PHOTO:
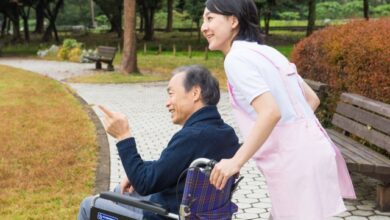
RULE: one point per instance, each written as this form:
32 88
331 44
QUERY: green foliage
353 9
70 50
69 43
102 20
195 9
289 15
350 9
381 10
328 10
75 12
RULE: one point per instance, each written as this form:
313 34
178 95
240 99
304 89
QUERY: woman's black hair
246 13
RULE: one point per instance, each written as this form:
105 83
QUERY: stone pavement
144 104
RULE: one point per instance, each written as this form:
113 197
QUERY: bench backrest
365 118
321 89
106 52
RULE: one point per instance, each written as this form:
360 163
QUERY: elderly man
193 94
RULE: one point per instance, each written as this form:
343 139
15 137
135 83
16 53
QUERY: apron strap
286 70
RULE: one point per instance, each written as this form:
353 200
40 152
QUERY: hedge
354 57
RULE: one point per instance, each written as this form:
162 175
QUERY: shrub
354 57
74 54
70 50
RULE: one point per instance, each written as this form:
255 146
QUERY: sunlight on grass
47 151
159 67
115 77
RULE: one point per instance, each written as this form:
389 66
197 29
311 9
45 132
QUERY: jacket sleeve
154 176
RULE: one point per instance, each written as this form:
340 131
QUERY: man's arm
150 176
155 176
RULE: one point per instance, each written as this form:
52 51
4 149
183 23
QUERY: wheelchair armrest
131 201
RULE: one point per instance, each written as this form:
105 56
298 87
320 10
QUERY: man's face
180 104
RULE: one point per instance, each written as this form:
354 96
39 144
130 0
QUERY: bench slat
373 156
366 103
355 128
360 164
106 53
318 87
355 150
315 85
375 121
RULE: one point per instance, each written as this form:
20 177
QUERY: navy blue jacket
204 134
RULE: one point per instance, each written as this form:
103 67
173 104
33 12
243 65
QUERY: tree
195 10
365 9
311 18
10 11
260 4
24 7
51 9
113 11
3 24
149 8
129 59
169 16
267 13
39 17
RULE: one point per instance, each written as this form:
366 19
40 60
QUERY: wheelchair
216 204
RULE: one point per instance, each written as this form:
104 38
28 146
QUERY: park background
344 44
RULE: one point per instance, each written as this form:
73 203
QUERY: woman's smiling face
219 30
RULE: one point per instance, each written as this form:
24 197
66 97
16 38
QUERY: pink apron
305 172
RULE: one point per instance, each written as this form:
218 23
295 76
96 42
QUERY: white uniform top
250 74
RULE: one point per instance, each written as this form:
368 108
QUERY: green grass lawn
159 67
153 66
47 151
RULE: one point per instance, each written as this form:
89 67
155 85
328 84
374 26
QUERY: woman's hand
223 171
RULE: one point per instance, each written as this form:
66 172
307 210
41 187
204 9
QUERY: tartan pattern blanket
202 201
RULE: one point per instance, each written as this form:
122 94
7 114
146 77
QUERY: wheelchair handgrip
128 200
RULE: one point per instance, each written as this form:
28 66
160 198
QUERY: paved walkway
144 104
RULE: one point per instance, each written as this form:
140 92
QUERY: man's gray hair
197 75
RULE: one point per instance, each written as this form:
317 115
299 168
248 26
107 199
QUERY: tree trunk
141 23
365 9
148 19
170 16
129 57
39 14
113 10
116 26
116 22
259 14
311 18
52 16
267 18
25 24
4 25
93 21
16 30
198 28
14 16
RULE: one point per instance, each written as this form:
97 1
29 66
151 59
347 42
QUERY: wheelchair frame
205 165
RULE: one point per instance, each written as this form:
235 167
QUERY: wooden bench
104 55
320 88
368 120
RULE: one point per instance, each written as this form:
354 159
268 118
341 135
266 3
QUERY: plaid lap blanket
202 201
